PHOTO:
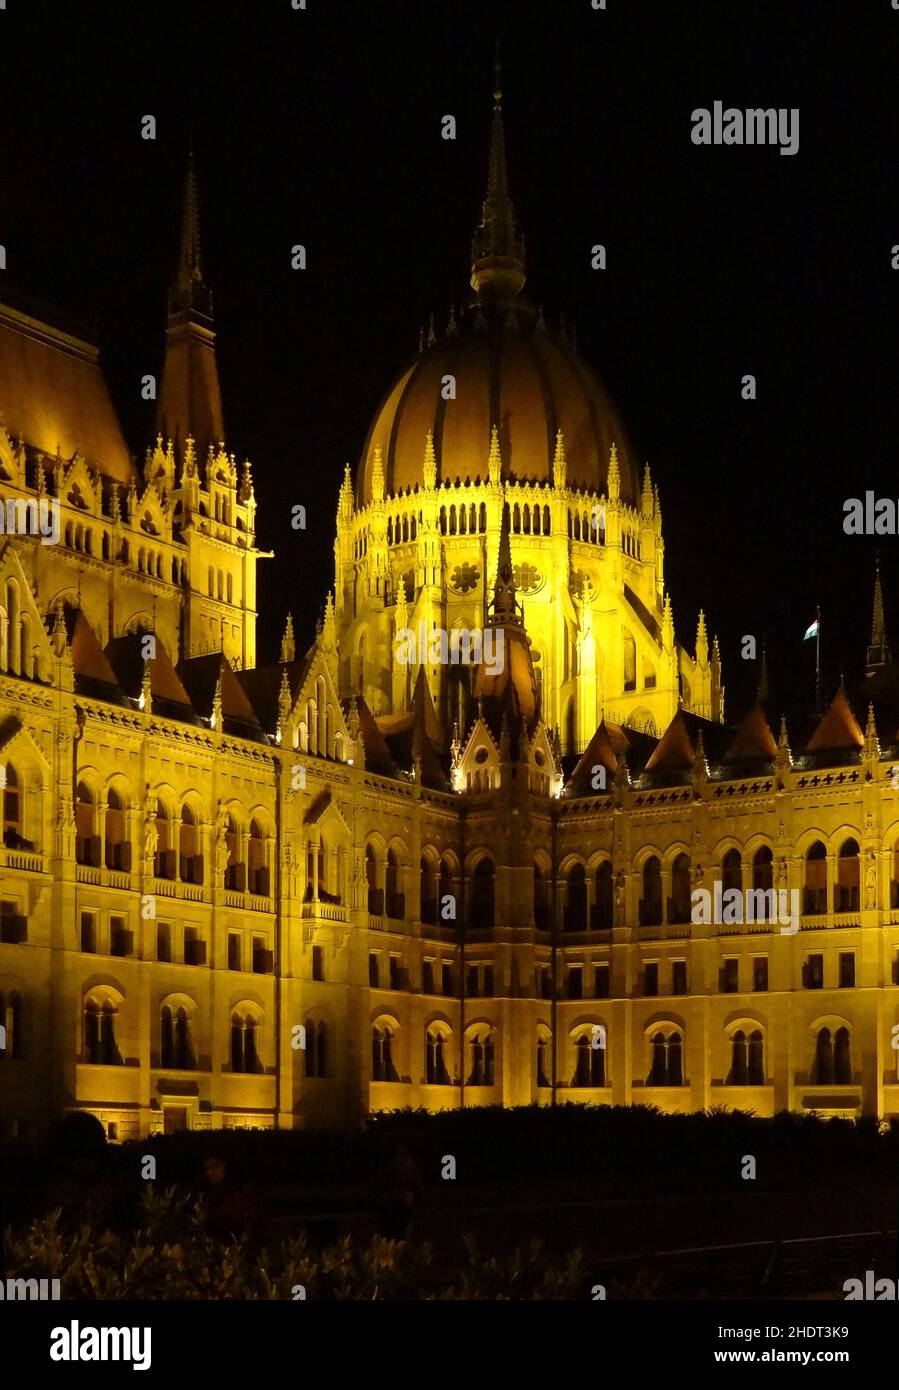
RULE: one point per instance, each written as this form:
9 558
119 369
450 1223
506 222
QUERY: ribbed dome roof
511 372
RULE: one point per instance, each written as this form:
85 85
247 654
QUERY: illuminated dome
508 370
511 371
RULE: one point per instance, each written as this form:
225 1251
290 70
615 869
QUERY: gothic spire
190 400
878 650
497 251
505 605
189 294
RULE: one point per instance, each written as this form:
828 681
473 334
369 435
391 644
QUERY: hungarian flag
811 630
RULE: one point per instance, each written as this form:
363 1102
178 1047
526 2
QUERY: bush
169 1256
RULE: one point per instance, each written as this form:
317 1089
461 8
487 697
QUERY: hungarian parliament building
244 894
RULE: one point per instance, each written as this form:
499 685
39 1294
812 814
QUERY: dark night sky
323 127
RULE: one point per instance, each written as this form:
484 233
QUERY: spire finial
189 293
878 650
497 252
761 693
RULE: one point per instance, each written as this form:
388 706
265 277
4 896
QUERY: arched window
756 1062
590 1063
765 906
396 900
846 886
316 1056
814 897
87 843
679 904
436 1073
382 1067
651 902
666 1065
842 1066
167 1038
190 862
576 906
12 809
428 891
603 908
738 1060
542 907
244 1050
543 1078
822 1071
447 893
375 893
480 1048
629 650
100 1045
164 863
235 870
117 852
322 1048
732 871
230 591
257 869
482 896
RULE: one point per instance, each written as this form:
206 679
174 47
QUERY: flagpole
818 662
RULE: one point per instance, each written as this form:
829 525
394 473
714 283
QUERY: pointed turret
878 650
674 754
288 644
345 503
839 731
754 742
190 399
646 499
702 641
497 251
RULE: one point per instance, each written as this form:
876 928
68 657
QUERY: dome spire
497 251
505 605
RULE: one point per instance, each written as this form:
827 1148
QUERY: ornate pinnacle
430 463
647 498
288 645
559 468
614 475
494 461
377 476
